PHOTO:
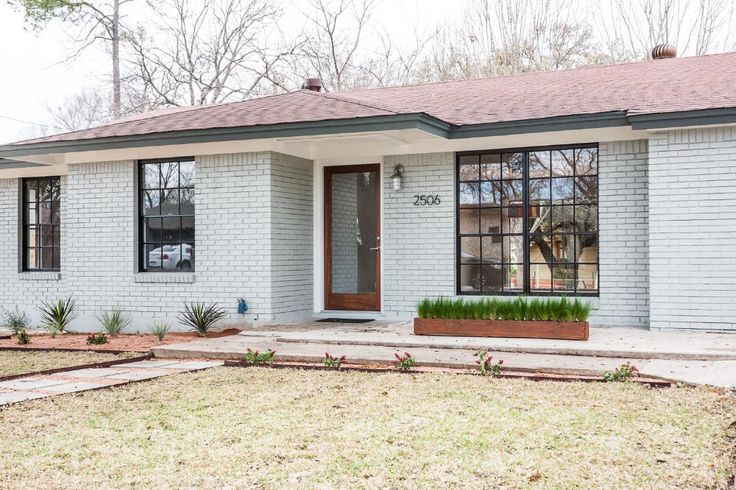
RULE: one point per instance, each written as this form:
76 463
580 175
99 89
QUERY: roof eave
543 125
683 119
420 121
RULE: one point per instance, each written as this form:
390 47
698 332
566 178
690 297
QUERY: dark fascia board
420 121
662 120
542 125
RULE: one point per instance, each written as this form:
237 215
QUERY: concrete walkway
694 357
40 386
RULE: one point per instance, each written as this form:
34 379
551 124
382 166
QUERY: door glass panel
354 232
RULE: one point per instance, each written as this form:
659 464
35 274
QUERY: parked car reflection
172 257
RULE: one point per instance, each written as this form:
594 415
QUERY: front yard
18 362
273 428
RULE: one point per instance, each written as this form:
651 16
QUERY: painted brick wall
692 223
623 236
418 242
292 285
247 217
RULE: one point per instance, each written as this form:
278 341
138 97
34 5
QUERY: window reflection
545 232
41 210
167 216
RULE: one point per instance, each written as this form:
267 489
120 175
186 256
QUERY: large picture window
166 215
41 224
528 221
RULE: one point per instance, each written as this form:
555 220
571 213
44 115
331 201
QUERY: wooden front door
352 238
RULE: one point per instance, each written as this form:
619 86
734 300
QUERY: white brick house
614 184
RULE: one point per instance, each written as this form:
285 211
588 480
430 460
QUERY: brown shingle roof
668 85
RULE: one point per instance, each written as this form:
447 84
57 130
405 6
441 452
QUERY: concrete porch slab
625 343
711 360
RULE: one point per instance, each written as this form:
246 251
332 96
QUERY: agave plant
201 317
160 330
57 316
114 321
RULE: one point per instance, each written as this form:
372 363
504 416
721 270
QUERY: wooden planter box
503 328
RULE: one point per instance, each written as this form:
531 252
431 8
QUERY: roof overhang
419 121
683 119
425 123
9 164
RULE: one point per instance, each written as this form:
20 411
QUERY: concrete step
714 372
684 351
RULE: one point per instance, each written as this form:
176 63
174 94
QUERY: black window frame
26 225
141 191
526 290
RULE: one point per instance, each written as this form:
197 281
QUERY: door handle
378 247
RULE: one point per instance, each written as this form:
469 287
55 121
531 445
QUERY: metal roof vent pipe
313 84
662 51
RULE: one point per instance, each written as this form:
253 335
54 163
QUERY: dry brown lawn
275 428
18 362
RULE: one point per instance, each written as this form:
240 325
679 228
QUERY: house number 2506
426 200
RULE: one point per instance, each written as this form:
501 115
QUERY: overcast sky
35 76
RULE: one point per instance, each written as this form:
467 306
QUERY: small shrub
332 361
622 373
201 317
15 320
485 363
57 316
160 330
97 339
259 358
114 322
23 337
404 362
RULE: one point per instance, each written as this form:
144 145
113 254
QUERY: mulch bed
510 373
117 344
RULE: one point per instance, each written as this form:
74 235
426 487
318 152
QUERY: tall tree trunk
116 58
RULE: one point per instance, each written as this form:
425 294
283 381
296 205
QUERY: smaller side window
166 220
41 212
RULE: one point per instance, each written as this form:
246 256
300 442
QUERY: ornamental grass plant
550 309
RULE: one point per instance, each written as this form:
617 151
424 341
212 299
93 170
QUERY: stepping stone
137 375
29 383
193 365
72 387
18 396
148 364
90 373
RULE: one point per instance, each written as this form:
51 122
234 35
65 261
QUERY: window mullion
525 221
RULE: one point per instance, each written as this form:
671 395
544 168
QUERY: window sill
164 278
39 276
